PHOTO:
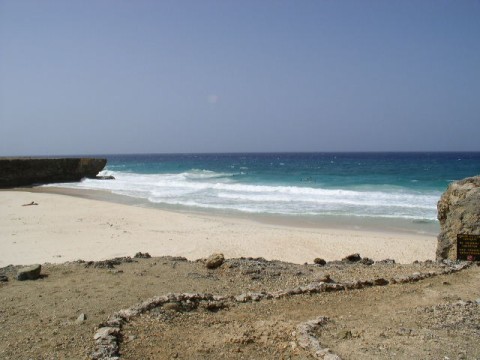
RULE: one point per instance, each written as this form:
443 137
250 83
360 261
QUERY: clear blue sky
87 77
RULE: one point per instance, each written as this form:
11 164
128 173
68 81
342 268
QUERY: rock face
458 213
28 171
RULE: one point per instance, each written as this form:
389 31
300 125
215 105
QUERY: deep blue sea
369 185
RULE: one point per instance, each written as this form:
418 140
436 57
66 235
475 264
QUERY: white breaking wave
211 190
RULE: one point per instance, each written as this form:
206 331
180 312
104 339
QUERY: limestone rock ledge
28 171
458 213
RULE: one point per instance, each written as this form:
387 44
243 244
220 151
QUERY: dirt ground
435 318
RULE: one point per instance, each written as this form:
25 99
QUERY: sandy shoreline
65 228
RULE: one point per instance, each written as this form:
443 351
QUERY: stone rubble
307 340
108 334
106 264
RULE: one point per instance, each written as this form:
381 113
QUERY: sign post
468 247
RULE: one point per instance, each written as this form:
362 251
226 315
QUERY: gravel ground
431 319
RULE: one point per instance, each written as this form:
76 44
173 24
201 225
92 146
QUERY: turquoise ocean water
361 185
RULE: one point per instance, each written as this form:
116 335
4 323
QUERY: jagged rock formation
458 213
28 171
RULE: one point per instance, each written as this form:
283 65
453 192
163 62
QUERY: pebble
81 318
380 282
345 334
172 306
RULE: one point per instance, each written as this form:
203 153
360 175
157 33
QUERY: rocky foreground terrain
171 308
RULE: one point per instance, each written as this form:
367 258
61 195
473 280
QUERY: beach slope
65 228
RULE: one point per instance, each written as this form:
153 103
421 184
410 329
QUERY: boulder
29 273
319 261
214 261
458 213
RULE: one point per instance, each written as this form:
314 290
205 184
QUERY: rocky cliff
28 171
458 213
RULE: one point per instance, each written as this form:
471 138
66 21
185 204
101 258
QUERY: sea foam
216 190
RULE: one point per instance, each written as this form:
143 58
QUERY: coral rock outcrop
29 171
458 213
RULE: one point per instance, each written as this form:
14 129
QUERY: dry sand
65 228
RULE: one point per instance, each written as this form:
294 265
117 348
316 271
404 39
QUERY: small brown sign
468 247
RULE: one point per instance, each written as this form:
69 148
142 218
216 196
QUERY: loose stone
214 261
29 273
81 318
352 258
319 261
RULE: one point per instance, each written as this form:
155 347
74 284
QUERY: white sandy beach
65 228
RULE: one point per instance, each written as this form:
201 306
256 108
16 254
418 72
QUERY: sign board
468 247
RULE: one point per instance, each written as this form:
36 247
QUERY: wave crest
209 189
